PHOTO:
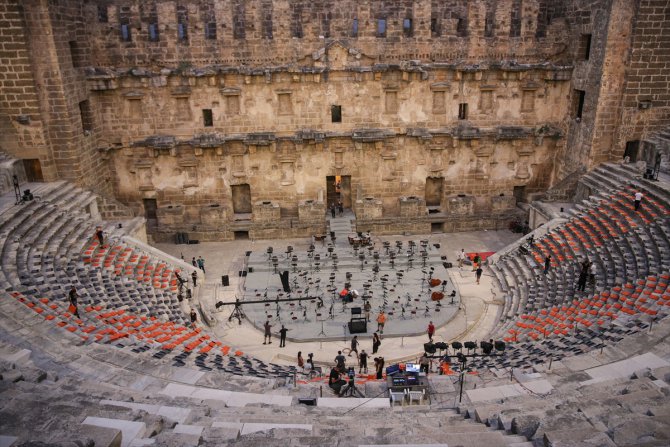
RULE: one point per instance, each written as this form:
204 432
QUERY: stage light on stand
499 345
470 345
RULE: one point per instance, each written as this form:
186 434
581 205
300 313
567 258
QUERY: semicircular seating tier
546 315
127 295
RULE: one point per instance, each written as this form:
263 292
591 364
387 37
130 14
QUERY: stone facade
198 113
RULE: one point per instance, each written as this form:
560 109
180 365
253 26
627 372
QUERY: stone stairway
342 227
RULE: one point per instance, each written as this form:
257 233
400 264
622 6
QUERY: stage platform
394 276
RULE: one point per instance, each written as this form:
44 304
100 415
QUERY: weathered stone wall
44 94
646 98
22 131
468 105
260 33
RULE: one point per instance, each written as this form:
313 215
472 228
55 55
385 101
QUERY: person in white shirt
461 258
638 200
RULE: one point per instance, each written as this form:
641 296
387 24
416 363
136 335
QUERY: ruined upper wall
646 97
260 33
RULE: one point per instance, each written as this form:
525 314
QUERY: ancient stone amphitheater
242 121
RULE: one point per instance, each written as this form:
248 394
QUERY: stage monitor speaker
358 326
356 311
251 269
225 280
309 401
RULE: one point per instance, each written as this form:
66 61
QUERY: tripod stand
237 313
350 390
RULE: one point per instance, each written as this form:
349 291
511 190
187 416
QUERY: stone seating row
625 245
112 278
80 410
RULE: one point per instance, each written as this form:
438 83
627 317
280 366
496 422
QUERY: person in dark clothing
72 297
194 262
354 346
547 264
267 335
332 210
376 343
282 336
194 317
339 361
363 362
335 380
340 208
380 367
581 282
194 275
100 235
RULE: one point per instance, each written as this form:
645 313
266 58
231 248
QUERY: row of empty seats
127 297
547 315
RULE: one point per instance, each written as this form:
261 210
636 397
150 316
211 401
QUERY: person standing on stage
381 320
431 331
376 343
354 346
268 335
363 362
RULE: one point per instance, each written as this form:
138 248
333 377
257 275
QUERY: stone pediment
337 56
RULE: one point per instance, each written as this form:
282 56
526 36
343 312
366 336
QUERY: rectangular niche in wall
241 199
434 191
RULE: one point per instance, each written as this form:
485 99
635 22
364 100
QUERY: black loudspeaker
358 326
309 401
251 269
429 348
244 273
356 311
225 280
284 281
248 254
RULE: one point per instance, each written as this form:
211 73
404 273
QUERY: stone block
19 357
461 205
172 214
502 203
412 206
577 438
129 429
12 376
186 429
525 425
311 211
266 211
369 208
101 436
213 215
